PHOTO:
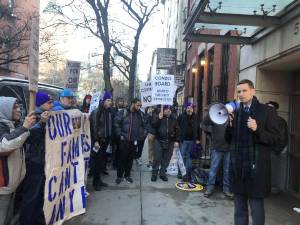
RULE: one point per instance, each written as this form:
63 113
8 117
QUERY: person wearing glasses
130 126
13 135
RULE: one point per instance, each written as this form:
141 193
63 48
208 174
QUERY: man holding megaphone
252 131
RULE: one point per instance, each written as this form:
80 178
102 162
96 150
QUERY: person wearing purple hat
167 136
32 197
101 134
189 136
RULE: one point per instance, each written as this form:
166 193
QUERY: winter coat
101 121
130 126
257 185
12 157
216 132
36 146
189 125
166 129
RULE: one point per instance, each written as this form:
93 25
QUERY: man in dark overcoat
252 131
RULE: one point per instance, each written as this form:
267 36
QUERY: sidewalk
160 203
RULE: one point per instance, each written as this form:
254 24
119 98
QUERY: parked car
18 88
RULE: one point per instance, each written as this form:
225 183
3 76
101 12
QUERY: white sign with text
146 93
68 146
163 89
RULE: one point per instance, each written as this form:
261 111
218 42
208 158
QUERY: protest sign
68 149
95 102
166 58
72 73
163 89
146 93
33 63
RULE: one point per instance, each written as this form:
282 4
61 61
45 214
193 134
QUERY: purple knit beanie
106 95
167 107
42 98
188 104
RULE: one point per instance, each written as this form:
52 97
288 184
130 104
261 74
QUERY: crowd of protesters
120 131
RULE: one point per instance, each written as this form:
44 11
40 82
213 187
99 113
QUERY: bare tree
100 24
140 12
13 34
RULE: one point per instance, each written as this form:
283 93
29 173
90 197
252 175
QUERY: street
160 203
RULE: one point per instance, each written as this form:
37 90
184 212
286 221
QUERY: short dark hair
135 100
246 81
274 104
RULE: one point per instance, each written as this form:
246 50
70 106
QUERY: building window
210 76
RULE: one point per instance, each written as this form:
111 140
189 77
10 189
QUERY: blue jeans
185 150
216 159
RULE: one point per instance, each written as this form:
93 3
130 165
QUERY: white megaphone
218 112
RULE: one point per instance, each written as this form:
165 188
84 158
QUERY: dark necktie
246 109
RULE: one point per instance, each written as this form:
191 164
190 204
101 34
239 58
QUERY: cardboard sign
146 93
72 74
163 89
68 147
33 64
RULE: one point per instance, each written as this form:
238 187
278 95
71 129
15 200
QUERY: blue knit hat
106 95
42 98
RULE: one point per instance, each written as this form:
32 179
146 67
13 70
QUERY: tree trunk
133 64
106 69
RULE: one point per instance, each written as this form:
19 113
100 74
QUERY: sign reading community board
68 149
163 89
72 73
146 93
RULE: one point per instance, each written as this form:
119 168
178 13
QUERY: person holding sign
167 137
12 157
33 185
101 133
130 126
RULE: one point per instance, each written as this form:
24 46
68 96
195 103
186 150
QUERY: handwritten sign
72 73
146 93
163 89
68 147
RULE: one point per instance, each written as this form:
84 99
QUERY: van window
16 92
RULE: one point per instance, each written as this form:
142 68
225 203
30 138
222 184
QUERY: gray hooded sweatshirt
12 157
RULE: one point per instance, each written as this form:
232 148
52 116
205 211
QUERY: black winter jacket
166 128
101 121
130 126
189 126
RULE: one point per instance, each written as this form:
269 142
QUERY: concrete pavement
160 203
